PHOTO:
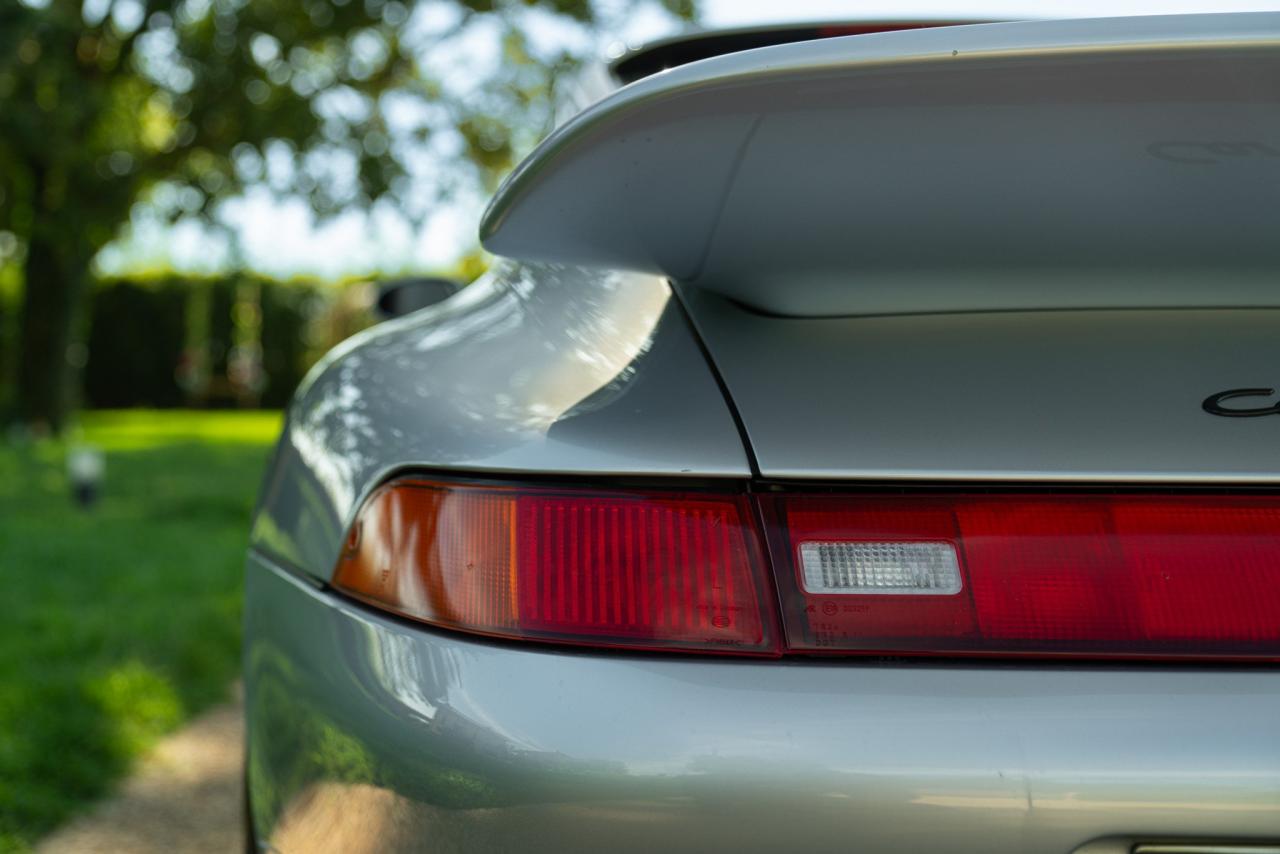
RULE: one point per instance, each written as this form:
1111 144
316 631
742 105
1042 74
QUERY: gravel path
183 799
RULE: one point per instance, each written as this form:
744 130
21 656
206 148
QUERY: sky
282 238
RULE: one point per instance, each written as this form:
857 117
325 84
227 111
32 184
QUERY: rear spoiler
1106 162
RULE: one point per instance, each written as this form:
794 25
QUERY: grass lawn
118 624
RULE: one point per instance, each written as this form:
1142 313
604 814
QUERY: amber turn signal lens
437 554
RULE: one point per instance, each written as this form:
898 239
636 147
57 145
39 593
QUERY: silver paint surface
368 729
540 368
1079 396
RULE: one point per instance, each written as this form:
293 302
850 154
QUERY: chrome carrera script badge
1213 403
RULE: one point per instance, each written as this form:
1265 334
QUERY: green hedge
170 340
135 341
178 341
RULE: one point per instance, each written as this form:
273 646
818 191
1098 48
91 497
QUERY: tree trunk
48 364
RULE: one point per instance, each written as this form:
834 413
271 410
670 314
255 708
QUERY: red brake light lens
1139 576
1086 575
662 571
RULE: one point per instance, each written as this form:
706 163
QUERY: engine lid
1115 396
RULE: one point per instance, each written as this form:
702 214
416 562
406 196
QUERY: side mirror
402 296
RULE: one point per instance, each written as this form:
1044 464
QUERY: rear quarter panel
532 369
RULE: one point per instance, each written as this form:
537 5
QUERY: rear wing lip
786 32
563 203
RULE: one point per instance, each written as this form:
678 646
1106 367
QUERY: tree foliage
184 103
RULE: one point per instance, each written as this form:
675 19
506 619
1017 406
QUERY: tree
108 103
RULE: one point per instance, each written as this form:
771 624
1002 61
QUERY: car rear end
927 663
899 545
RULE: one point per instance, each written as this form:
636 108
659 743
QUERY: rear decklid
1089 396
1123 162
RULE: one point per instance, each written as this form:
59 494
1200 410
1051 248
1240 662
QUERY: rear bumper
370 734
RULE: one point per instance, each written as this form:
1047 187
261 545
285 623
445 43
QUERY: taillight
653 570
1095 575
947 574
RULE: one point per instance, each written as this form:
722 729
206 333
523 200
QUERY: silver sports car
866 441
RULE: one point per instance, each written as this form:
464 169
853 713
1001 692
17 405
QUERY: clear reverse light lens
880 567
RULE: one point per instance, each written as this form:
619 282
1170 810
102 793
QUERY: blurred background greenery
146 149
117 625
119 113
